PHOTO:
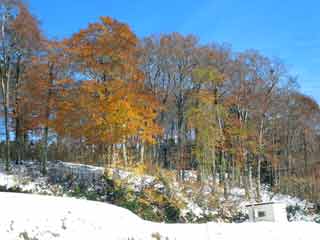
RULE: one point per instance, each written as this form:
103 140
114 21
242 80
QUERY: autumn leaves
107 97
88 88
105 100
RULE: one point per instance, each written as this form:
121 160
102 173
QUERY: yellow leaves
109 105
108 112
107 20
107 49
140 169
208 75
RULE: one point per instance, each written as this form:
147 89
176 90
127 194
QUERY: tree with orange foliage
45 80
20 37
108 103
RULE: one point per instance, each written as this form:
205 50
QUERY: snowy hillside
35 217
150 197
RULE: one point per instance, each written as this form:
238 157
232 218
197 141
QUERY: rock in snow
33 217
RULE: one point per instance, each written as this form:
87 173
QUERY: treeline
105 97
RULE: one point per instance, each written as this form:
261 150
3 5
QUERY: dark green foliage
143 210
205 218
317 208
190 217
292 211
25 236
172 214
240 217
149 203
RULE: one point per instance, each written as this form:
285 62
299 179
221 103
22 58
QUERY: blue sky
282 28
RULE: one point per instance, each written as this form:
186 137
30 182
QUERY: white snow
33 217
24 216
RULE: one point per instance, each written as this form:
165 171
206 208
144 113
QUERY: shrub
171 214
292 210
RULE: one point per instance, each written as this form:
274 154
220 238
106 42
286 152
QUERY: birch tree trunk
258 179
124 153
142 153
114 152
17 115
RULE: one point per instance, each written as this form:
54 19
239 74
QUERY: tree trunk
124 153
233 170
46 127
17 115
226 179
142 152
6 117
180 122
223 175
305 152
45 155
248 176
114 152
213 167
6 123
258 180
5 80
246 183
18 141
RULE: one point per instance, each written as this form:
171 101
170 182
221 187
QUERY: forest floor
154 198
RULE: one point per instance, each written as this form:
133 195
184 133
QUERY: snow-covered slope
195 204
24 216
44 217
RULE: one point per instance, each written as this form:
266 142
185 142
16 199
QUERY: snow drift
33 217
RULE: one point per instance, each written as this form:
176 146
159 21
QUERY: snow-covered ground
33 217
27 177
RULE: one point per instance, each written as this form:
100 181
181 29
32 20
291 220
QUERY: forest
106 97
